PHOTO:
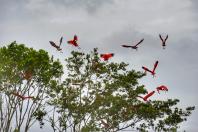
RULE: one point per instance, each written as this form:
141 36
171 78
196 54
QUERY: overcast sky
107 24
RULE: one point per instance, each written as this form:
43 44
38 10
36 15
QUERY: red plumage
154 68
147 96
74 41
106 56
162 88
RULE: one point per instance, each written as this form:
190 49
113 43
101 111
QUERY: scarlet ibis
154 68
133 46
74 41
147 96
55 45
162 88
106 56
22 97
163 40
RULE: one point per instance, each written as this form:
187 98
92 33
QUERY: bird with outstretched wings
145 98
163 40
162 88
74 41
133 46
106 56
58 47
154 68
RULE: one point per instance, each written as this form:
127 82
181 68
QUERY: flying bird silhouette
74 41
133 46
55 45
162 88
147 96
22 97
154 68
163 40
106 56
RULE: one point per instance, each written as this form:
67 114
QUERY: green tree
102 96
24 72
95 95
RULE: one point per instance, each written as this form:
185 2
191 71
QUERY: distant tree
103 96
25 76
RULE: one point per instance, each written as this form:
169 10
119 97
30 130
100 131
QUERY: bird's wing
126 46
139 42
149 95
146 69
53 44
75 37
164 87
61 40
155 66
161 37
166 38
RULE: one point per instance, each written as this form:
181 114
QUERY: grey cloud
107 24
91 6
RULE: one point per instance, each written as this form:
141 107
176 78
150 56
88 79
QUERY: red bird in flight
55 45
163 40
153 71
162 88
74 41
133 46
147 96
106 56
23 97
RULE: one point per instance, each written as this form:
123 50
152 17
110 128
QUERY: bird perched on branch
56 45
133 46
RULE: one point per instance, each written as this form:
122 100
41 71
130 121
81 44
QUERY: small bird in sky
74 41
106 56
163 40
133 46
55 45
154 68
22 97
162 88
147 96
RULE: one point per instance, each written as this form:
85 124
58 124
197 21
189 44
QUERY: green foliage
95 95
100 96
26 72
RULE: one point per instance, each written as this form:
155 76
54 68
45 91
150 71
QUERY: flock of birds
106 56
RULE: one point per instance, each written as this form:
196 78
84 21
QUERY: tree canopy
95 95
